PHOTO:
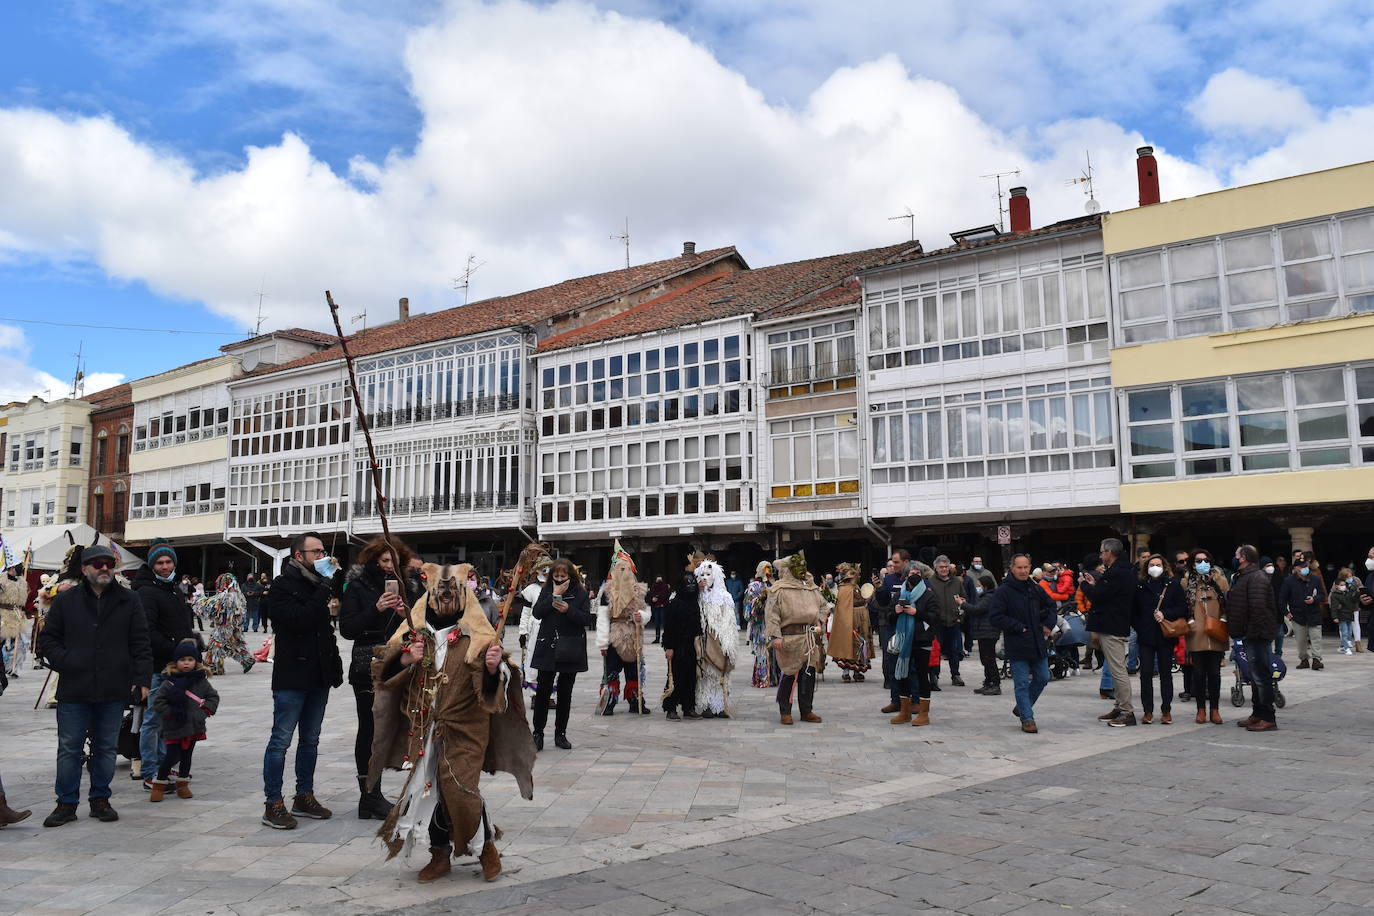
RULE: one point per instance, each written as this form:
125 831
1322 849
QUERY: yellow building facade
1243 359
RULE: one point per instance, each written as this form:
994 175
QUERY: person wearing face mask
1113 602
1366 599
1205 591
307 666
1300 601
169 622
1345 602
1158 598
563 610
981 630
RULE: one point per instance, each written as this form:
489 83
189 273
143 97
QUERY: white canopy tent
49 544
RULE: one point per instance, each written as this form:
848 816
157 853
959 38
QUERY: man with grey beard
96 637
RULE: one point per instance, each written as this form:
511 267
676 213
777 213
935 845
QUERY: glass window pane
1053 314
916 436
1305 242
1144 332
1249 251
1255 318
955 428
1359 271
875 327
1102 417
849 452
1059 423
892 325
1157 439
992 323
1039 439
1254 287
1357 233
1264 429
1149 405
801 456
1201 400
1323 456
1205 434
930 319
1273 461
825 456
1073 295
997 438
1030 302
949 309
895 438
1016 427
1011 319
934 444
973 430
1259 392
1364 382
1097 293
911 310
1141 270
1321 386
1196 296
968 306
1192 261
1207 466
1308 279
1143 303
879 444
782 458
1082 420
1146 471
1316 424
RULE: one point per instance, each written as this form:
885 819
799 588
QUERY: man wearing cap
96 638
169 622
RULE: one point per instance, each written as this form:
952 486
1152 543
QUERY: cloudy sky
164 161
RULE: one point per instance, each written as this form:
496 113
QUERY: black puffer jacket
98 643
306 655
359 619
169 616
1250 612
1113 599
555 626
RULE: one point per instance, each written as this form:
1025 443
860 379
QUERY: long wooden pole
374 469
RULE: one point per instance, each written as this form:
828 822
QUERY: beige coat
850 617
792 602
1204 600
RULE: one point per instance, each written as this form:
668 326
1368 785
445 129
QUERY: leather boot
891 707
8 815
904 716
372 805
491 861
922 717
184 788
440 864
785 715
159 789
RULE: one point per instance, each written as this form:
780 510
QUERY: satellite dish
1092 206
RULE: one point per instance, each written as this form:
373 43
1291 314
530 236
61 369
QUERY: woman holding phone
560 650
372 609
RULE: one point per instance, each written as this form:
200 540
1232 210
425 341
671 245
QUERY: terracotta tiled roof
744 292
1076 224
110 398
510 311
305 334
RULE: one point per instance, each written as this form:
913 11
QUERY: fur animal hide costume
796 614
620 631
850 637
718 645
444 720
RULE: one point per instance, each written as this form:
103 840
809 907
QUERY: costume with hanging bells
718 645
620 635
795 614
444 720
226 610
851 638
766 672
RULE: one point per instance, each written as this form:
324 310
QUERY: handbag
570 650
1172 629
1215 628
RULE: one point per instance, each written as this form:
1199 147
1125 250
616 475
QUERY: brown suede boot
184 788
159 789
785 716
890 708
904 716
923 716
810 717
8 815
491 861
440 864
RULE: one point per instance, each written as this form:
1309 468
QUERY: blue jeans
1029 678
254 618
150 746
293 710
1347 629
75 722
951 647
1261 679
1278 640
1133 652
1106 683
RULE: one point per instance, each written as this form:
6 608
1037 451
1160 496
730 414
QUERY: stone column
1301 536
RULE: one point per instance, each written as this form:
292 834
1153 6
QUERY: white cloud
1241 102
543 128
20 381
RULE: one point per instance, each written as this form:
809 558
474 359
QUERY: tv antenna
79 379
466 282
1086 177
361 316
1001 208
257 328
625 237
911 221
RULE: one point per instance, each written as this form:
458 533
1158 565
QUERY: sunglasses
101 564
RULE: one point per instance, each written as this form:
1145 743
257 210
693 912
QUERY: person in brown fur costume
850 636
448 706
795 620
620 634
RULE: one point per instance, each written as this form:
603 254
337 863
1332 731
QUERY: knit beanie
187 647
160 547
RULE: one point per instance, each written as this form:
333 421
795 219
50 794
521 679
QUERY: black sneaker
62 814
538 741
276 816
673 715
1125 721
957 681
561 742
690 714
307 806
101 810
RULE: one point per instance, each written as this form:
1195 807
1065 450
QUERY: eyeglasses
320 551
101 564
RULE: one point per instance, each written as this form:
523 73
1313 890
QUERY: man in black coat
1300 600
681 627
96 637
1113 601
306 666
1251 618
1025 614
169 622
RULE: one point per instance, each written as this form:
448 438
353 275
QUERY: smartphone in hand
392 587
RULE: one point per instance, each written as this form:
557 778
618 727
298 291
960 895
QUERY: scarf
906 628
177 701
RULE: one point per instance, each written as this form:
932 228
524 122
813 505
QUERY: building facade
46 466
112 428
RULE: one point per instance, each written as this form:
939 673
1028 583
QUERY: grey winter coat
196 716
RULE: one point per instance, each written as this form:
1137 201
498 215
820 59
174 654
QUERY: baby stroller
1277 668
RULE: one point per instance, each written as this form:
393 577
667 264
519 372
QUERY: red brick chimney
1019 205
1147 174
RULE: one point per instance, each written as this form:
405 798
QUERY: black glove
523 640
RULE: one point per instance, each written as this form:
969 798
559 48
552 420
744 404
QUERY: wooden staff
376 471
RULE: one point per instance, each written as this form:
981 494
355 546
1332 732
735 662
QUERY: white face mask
1156 571
1369 564
1269 569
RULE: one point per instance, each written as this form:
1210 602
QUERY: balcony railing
427 505
444 410
816 372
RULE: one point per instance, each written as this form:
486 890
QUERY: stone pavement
852 815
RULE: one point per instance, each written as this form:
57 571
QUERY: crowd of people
439 697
